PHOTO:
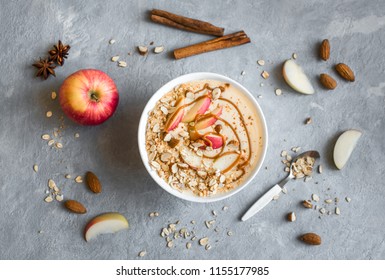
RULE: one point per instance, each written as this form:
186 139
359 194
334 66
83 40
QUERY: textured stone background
277 29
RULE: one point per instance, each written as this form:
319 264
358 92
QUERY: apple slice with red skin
199 108
213 140
208 119
105 223
176 117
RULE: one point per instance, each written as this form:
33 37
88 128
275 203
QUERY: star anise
45 68
59 53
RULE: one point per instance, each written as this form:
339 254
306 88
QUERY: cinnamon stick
185 23
228 41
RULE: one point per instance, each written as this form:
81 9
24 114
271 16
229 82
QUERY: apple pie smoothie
204 137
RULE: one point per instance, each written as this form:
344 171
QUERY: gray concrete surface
33 229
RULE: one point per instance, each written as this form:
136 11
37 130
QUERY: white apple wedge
105 223
344 147
296 78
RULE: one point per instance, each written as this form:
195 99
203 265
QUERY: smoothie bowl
202 137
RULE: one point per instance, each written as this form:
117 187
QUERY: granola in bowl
205 137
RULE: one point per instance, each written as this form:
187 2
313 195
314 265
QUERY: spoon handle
262 202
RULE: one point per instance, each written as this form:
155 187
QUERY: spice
184 23
45 68
59 53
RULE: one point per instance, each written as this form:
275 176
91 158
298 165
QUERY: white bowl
142 135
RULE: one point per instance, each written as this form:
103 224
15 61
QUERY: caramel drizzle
241 166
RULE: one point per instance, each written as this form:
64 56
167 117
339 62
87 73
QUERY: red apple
208 119
213 140
88 97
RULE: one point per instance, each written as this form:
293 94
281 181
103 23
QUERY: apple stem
94 97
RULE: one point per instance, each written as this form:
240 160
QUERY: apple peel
105 223
296 78
212 140
344 147
175 118
208 119
199 108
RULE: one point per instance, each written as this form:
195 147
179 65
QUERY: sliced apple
191 158
213 140
176 117
105 223
199 108
344 147
296 78
226 162
208 119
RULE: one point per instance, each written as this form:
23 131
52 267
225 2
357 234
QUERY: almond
327 81
324 50
345 72
291 217
311 238
307 204
75 206
93 182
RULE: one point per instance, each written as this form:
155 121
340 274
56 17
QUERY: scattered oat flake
320 169
53 95
35 168
48 114
67 176
278 92
322 210
315 197
265 75
294 55
59 197
188 245
51 184
142 253
77 135
192 222
283 154
59 145
348 199
243 73
208 247
170 244
328 201
308 121
122 64
229 233
203 241
259 96
48 199
337 211
79 179
156 214
261 84
45 137
112 41
159 49
225 208
115 58
261 62
214 212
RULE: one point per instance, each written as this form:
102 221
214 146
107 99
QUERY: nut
93 182
311 238
324 50
345 72
75 206
291 217
327 81
307 204
142 50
